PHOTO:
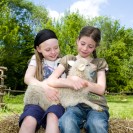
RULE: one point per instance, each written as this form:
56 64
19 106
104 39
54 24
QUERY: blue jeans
78 117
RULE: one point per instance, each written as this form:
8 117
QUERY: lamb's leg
94 106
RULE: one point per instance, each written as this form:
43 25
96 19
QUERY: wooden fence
2 86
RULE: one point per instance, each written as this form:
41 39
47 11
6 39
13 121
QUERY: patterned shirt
48 66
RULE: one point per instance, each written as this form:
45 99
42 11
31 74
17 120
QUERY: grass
14 105
120 106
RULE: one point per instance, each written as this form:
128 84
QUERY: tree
18 25
68 30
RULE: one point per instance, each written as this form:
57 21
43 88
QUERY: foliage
18 24
119 56
68 30
21 20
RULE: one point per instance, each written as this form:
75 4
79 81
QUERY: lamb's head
82 68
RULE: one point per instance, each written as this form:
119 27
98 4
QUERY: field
120 106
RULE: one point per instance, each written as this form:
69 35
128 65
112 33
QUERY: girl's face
86 45
49 49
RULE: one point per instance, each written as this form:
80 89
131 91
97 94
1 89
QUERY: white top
48 66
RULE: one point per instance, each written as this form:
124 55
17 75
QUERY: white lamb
68 97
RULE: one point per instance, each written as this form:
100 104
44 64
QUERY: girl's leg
52 123
71 121
50 118
29 120
28 125
97 122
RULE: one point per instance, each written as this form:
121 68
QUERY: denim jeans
78 117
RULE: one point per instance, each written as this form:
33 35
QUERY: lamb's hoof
98 108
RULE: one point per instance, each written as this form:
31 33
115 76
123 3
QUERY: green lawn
120 106
14 105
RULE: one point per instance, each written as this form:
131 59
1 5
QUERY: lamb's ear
81 67
70 62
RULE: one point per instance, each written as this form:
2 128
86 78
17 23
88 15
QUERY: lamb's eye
87 65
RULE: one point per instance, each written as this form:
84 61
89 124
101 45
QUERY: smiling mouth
83 52
53 56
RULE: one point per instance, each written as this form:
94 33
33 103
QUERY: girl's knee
52 117
29 121
28 125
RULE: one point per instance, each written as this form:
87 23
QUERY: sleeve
102 65
32 61
64 61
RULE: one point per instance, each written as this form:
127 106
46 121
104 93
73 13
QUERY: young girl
40 67
82 115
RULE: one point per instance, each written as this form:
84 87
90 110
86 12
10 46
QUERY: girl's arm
100 86
29 78
55 81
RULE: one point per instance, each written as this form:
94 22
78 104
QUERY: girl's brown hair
92 32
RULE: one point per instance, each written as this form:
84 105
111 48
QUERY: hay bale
120 126
10 125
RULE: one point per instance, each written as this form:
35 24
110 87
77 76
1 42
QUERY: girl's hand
77 83
51 93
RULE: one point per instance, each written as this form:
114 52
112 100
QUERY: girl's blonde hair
42 36
39 68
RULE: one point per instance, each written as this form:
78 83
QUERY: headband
44 35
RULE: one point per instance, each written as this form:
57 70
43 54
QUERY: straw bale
120 125
9 124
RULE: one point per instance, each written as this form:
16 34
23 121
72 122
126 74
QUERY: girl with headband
41 65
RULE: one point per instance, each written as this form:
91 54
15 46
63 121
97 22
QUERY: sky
121 10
